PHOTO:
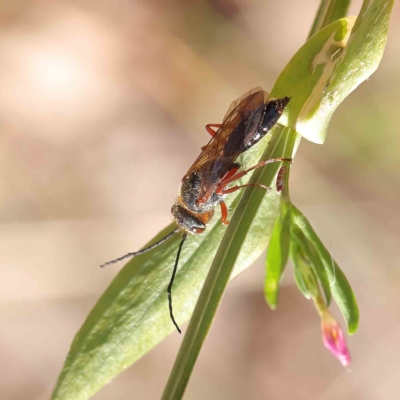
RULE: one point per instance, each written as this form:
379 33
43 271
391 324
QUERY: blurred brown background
102 110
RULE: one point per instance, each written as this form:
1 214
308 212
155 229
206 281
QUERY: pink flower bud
333 338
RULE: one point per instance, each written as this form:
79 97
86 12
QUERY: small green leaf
339 285
309 277
329 66
314 259
299 269
277 255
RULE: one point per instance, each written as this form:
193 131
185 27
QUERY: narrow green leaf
339 285
298 269
277 255
312 256
330 65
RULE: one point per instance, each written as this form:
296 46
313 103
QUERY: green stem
328 12
289 152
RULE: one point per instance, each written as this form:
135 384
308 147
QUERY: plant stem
328 12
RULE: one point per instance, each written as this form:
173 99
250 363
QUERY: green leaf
277 255
339 285
314 259
132 315
300 270
329 66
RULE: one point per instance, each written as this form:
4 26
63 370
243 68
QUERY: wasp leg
234 188
234 168
210 130
240 174
224 213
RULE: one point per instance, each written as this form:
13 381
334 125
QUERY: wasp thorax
194 196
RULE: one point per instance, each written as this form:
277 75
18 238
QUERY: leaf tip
352 325
271 294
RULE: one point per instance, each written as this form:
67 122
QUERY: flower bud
333 339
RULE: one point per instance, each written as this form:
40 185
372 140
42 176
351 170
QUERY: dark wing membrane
215 146
235 103
229 141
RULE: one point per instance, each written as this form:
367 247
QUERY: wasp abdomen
273 110
247 127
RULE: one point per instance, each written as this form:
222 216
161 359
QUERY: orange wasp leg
234 177
224 213
210 130
235 168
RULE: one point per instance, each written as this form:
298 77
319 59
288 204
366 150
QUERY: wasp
208 181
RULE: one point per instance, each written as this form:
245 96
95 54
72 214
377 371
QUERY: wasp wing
229 141
239 110
235 103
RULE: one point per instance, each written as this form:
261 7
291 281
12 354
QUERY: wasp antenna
136 253
169 290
